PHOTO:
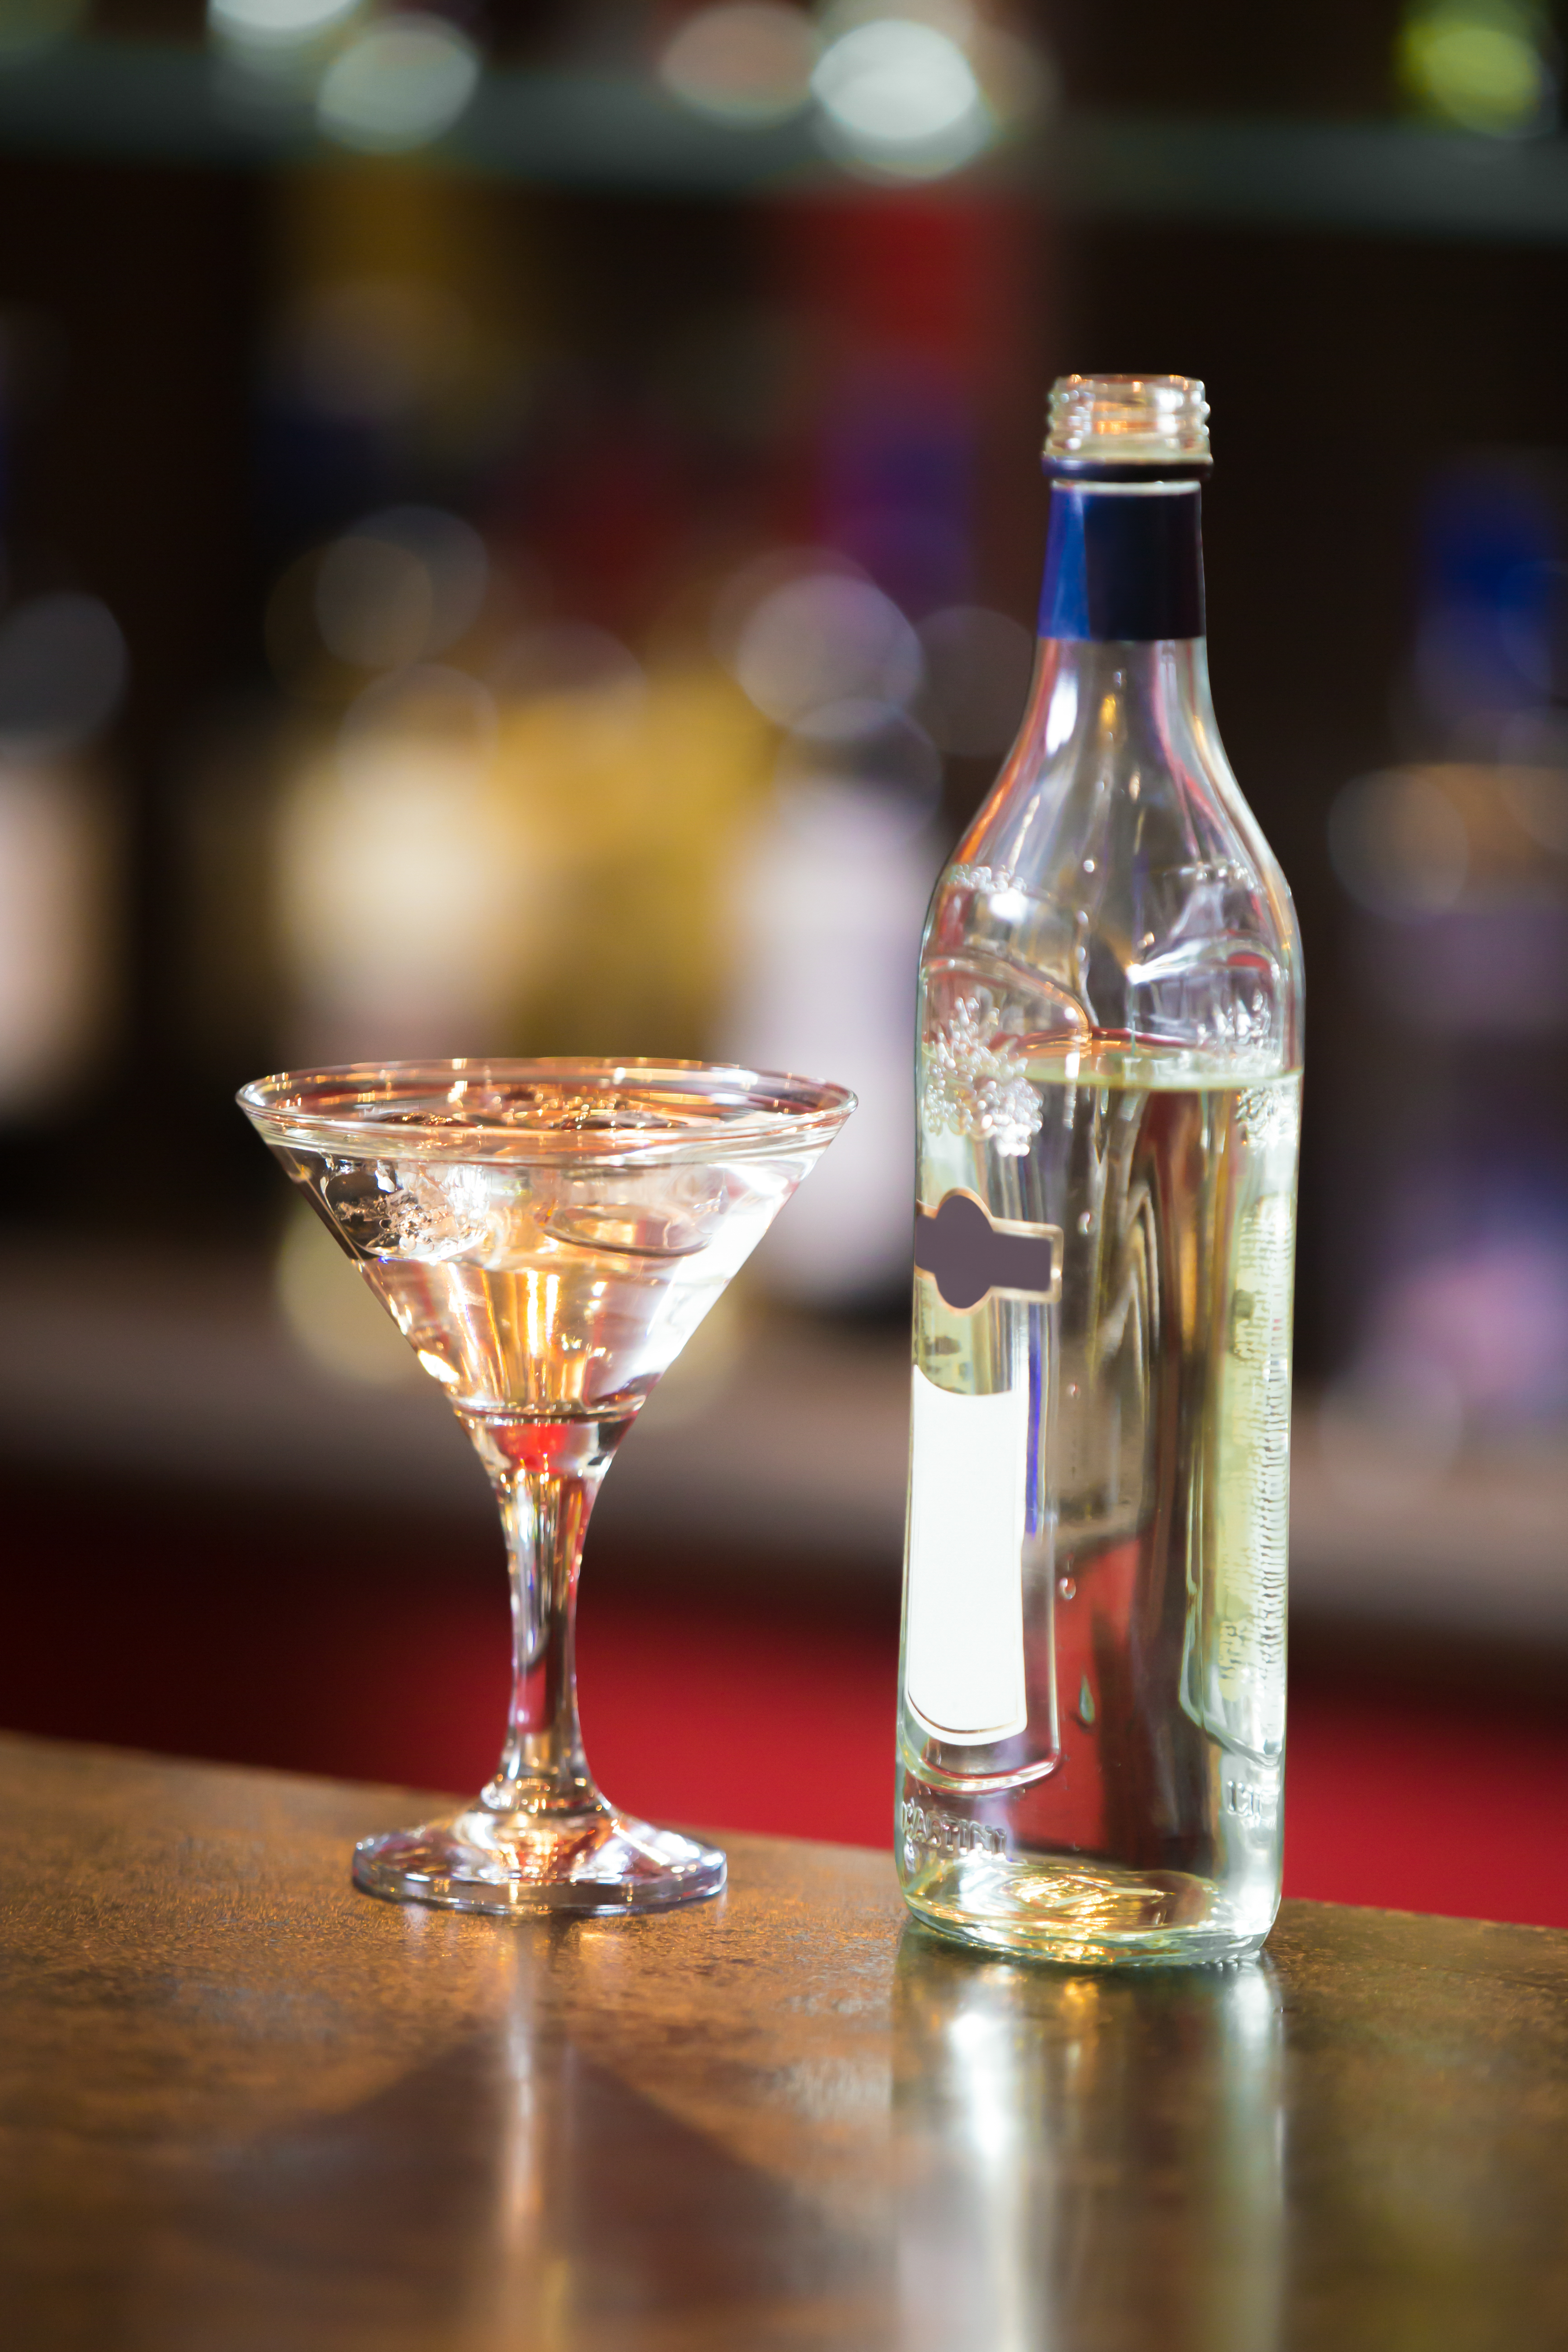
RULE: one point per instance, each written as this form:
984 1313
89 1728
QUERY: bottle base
1081 1913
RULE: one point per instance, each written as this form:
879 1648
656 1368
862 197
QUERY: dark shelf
160 103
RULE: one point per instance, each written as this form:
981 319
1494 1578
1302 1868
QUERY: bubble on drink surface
974 1083
410 1210
541 1107
593 1108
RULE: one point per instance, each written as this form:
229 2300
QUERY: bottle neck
1124 563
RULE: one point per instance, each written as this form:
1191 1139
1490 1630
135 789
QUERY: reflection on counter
1087 2160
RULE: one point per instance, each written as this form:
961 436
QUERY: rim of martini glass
350 1107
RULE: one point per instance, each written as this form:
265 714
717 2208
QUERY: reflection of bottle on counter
1092 1731
1087 2160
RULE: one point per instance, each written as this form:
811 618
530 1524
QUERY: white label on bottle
963 1635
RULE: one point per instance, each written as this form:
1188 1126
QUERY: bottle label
971 1255
964 1630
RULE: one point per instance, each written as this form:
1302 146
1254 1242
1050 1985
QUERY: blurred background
520 531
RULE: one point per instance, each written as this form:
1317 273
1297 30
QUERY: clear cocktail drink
546 1236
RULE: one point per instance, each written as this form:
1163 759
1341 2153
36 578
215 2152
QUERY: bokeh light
1399 843
827 902
63 667
374 606
277 24
58 934
828 891
978 665
826 635
404 877
1482 64
746 62
398 85
401 586
901 97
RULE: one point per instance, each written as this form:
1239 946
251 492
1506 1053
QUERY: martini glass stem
543 1765
546 1475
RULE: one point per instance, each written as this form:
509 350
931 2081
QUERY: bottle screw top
1111 425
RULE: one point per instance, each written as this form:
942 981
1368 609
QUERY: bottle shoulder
1115 882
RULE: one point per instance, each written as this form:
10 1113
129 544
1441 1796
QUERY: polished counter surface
244 2108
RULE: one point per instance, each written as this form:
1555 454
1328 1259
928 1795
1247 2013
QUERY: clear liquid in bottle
1091 1744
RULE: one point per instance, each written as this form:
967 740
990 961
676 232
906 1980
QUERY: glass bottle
1093 1679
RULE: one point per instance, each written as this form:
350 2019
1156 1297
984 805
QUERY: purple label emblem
970 1255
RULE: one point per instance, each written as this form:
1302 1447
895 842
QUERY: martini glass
546 1236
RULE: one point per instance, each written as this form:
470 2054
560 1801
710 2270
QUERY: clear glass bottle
1092 1718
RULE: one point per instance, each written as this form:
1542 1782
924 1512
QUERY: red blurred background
743 1694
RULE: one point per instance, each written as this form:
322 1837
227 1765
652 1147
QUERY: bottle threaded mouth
1127 420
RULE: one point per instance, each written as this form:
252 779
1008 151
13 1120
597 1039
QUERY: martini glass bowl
546 1236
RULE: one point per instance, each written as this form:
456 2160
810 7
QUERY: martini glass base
594 1862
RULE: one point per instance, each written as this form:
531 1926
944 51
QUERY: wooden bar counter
244 2108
